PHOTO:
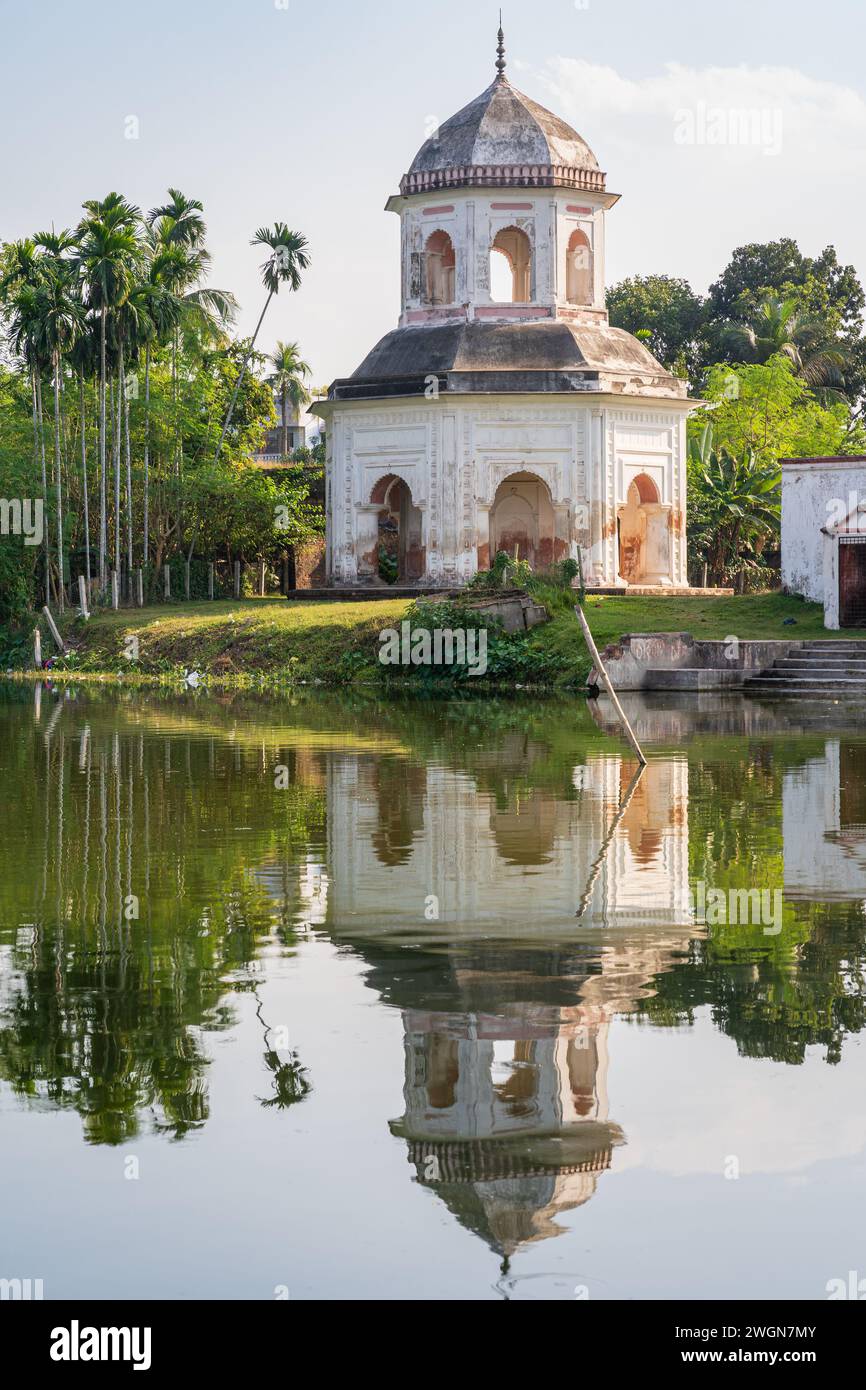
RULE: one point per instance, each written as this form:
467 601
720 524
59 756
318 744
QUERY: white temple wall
455 454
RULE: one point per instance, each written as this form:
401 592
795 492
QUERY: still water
344 999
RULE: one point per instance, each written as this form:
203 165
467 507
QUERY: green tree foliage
778 326
127 407
20 478
734 509
768 410
819 285
769 298
667 315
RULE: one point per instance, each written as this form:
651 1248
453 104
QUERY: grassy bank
336 644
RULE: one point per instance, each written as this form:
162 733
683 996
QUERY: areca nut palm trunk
103 481
41 419
146 519
128 480
81 396
117 445
37 438
58 470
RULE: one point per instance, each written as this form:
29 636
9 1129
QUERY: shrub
388 567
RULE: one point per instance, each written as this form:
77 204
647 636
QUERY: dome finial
500 60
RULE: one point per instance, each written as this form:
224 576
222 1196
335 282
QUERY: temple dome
504 138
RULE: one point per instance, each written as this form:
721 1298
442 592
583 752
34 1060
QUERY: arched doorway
522 520
644 536
400 532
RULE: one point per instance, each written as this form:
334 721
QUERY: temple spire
500 60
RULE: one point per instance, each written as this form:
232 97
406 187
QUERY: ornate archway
400 531
523 521
643 526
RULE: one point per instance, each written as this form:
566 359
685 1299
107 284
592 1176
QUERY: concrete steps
817 670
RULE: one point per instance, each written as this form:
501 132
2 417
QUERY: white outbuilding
824 535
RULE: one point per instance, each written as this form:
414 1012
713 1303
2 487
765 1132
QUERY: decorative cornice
504 176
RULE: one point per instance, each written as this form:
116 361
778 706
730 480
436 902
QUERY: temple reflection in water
518 858
512 892
506 1113
507 1119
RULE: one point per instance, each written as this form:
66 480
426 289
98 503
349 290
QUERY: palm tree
177 231
108 251
60 323
158 312
734 502
779 326
287 380
83 358
183 220
19 284
132 332
289 257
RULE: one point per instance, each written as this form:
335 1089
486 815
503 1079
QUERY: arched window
579 287
511 267
441 263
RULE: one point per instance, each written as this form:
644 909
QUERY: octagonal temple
504 412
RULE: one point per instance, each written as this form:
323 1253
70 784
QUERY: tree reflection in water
152 863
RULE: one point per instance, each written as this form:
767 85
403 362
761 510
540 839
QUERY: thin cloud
710 158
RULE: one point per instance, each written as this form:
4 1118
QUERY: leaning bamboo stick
61 645
606 682
602 854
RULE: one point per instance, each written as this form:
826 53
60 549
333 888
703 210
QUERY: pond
338 999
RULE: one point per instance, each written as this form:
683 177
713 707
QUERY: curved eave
603 394
398 202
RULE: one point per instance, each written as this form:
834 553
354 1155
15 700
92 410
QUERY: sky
310 113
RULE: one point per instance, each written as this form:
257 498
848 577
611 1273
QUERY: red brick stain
629 557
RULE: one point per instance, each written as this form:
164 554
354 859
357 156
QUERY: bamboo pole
237 578
61 645
140 586
37 649
600 857
261 578
210 581
167 583
82 597
115 592
606 682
